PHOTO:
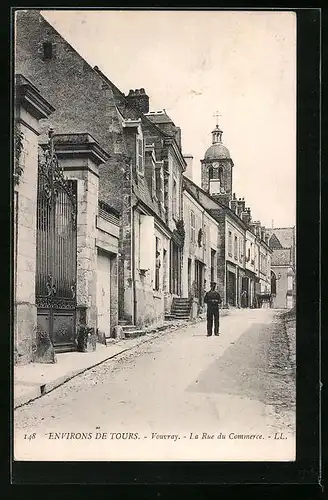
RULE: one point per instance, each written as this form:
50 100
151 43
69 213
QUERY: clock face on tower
215 164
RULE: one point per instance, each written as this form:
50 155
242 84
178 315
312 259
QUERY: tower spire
217 132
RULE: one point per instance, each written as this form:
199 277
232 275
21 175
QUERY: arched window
221 175
210 173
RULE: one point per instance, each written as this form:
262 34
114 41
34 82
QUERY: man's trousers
213 314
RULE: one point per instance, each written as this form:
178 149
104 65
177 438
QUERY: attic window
47 51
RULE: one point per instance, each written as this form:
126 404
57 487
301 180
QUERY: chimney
139 99
233 204
263 233
240 206
246 216
189 170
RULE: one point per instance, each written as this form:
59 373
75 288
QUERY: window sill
157 294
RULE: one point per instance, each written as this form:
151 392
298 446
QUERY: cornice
28 96
78 145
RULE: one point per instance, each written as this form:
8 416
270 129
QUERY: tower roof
217 151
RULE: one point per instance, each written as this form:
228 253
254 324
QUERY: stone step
180 308
132 334
127 328
180 314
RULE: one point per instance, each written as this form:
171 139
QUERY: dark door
199 281
231 288
189 278
56 252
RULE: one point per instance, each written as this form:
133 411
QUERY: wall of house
265 269
150 305
25 314
107 245
282 286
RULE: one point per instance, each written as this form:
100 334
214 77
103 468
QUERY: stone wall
25 229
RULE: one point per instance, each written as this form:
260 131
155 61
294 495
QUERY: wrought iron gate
56 251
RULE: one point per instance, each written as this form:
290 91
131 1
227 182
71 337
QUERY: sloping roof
281 257
274 243
159 117
285 235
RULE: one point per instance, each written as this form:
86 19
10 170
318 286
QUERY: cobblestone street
180 385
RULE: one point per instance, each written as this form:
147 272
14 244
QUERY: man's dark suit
213 300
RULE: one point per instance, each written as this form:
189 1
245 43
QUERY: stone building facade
283 269
200 251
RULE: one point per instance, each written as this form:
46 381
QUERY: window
140 155
174 198
240 249
221 175
192 227
236 247
158 184
213 265
158 262
230 243
47 51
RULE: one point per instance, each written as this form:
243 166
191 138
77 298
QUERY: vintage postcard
154 235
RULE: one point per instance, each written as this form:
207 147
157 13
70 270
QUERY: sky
195 63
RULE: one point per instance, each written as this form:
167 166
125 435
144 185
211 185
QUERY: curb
42 389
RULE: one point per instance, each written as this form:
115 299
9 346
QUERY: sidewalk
36 379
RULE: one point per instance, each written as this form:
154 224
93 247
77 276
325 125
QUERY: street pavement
183 396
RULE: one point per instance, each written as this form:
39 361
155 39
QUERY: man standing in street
213 301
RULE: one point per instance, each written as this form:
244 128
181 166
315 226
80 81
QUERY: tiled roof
281 257
159 117
285 235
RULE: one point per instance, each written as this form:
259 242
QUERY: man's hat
213 283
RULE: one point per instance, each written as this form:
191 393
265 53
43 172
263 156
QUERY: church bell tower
216 169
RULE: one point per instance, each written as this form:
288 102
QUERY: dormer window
140 154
